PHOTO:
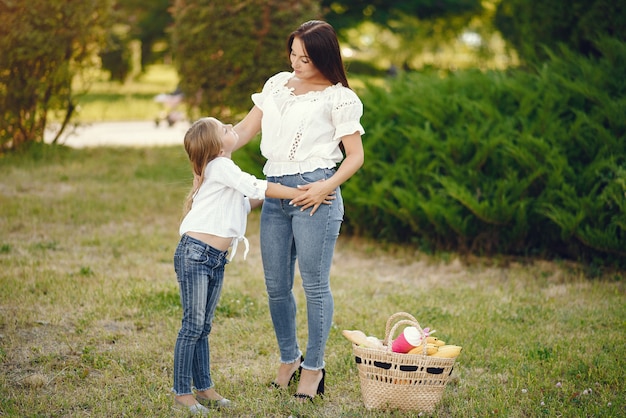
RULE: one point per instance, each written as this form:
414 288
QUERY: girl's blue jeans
200 274
287 235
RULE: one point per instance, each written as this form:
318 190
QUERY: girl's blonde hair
202 143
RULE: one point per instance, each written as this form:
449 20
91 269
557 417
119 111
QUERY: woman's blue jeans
289 234
200 273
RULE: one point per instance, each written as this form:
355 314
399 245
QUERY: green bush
499 162
226 50
529 25
363 67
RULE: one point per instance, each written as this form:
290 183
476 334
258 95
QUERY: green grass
89 307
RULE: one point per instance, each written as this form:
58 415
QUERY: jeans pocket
196 253
317 175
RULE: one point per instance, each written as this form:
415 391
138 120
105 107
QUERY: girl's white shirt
301 133
221 204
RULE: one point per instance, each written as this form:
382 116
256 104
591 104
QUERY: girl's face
301 63
229 136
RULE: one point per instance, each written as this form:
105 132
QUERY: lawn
89 307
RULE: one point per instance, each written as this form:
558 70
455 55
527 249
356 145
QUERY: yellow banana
436 341
448 351
430 349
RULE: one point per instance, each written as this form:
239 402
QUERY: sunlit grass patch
89 307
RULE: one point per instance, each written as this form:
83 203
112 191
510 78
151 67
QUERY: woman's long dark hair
322 47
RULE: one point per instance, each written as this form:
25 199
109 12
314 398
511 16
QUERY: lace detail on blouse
346 104
296 143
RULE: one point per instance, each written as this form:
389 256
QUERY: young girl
215 219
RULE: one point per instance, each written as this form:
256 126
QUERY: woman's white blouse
301 133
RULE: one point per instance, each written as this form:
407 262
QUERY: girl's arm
255 203
317 193
248 127
284 192
278 191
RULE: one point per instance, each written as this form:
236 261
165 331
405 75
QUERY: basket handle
395 317
391 330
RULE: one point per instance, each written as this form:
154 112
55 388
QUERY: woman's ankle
309 381
286 371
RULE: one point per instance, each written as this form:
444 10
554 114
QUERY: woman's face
301 63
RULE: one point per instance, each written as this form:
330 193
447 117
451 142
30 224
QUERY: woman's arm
248 127
318 192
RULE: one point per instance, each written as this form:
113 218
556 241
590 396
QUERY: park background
491 205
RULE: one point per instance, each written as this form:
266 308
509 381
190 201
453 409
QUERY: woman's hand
314 195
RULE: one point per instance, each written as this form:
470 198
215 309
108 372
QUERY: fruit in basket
435 340
359 338
430 349
448 351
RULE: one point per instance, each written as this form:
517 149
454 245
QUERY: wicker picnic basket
409 382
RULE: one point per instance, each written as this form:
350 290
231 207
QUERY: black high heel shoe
320 390
293 376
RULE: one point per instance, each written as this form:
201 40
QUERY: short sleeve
269 87
346 113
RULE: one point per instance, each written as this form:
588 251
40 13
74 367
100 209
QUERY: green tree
149 23
145 23
44 44
116 56
531 25
346 13
225 50
415 33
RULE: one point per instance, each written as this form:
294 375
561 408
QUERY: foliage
226 50
530 25
43 45
349 13
515 163
143 21
153 22
116 55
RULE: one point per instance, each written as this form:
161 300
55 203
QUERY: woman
306 117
